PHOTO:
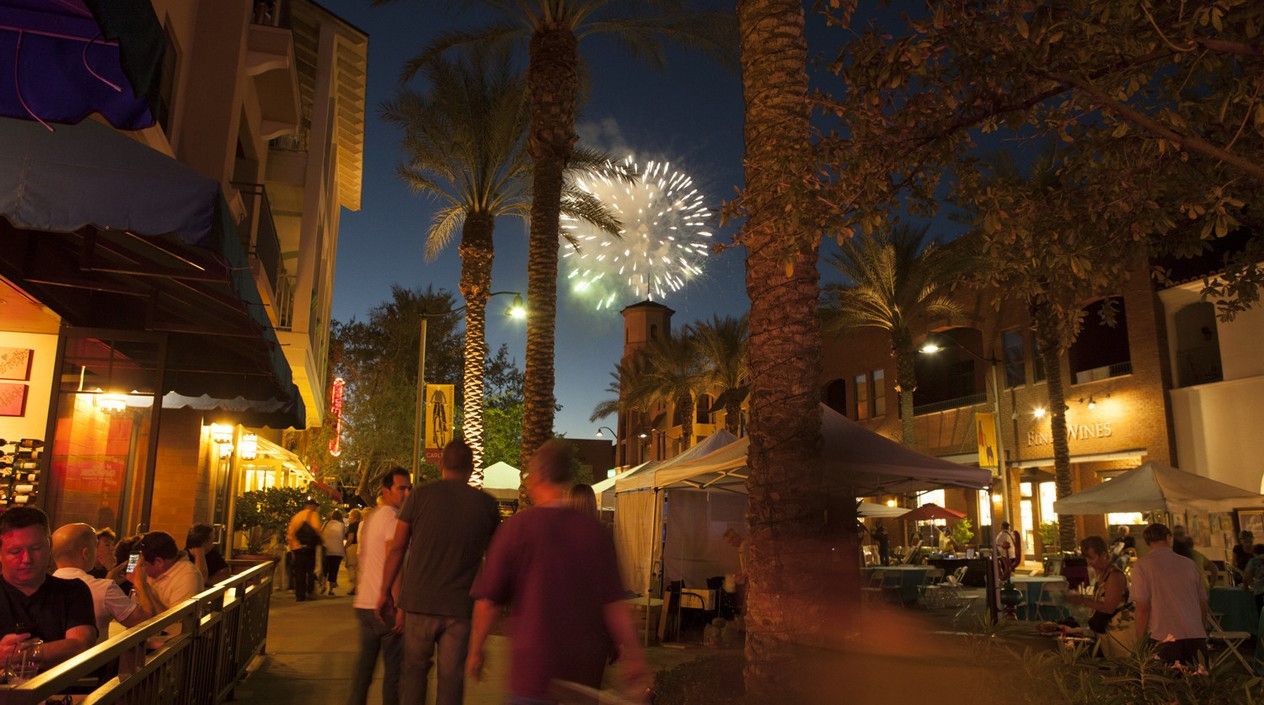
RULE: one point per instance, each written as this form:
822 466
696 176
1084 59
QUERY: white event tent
1158 488
632 477
501 480
693 502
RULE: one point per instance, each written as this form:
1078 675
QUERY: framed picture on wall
12 399
1250 520
15 363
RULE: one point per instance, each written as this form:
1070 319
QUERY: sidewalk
312 648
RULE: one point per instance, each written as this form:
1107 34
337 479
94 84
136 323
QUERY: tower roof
648 304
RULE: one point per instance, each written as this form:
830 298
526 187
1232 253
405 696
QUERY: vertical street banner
985 431
439 408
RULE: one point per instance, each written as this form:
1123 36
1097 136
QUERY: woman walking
352 544
333 533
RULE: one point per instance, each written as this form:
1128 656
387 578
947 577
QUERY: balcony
1119 369
1199 366
270 61
258 235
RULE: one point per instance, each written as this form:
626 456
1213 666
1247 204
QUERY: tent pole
649 570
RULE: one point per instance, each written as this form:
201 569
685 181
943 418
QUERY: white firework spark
664 240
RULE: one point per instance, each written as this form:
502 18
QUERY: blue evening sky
690 113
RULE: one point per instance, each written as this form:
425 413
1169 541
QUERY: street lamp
517 311
933 346
613 435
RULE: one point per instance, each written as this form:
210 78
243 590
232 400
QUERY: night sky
690 113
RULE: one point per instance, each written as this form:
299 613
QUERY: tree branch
1193 143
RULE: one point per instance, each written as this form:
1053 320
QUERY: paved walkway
312 647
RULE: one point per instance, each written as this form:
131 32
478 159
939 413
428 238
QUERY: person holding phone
33 604
163 576
74 551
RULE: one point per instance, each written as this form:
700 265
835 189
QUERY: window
1015 357
1101 349
862 397
835 396
949 377
879 392
984 499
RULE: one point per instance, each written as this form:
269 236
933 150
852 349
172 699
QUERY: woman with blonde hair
584 500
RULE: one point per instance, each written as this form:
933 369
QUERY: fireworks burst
664 241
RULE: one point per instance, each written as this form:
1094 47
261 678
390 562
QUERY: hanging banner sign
985 432
439 409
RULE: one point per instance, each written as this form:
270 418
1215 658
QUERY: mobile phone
132 560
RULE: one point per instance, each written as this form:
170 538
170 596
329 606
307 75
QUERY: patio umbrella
930 512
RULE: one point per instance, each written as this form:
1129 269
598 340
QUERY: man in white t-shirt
74 551
1005 550
1171 599
165 576
376 531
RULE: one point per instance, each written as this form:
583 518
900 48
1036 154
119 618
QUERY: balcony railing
221 630
259 234
945 405
285 301
271 13
1119 369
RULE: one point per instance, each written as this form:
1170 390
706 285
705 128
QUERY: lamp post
516 311
930 348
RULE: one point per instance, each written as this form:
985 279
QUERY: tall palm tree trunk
786 502
553 86
906 378
733 415
687 408
1047 341
476 285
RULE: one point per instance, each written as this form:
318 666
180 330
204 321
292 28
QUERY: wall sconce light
1038 412
249 446
222 435
890 502
996 498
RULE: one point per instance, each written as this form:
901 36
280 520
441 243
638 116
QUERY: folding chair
1231 642
876 589
931 589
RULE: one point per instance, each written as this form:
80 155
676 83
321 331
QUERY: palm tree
781 233
895 280
464 143
552 30
667 372
722 344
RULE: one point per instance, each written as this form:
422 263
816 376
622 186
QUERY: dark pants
302 563
422 633
330 569
1187 651
376 636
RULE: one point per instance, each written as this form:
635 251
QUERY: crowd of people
64 589
437 568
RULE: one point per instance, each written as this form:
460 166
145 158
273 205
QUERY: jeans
376 636
302 562
330 569
422 632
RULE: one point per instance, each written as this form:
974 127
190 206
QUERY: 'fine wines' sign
1075 432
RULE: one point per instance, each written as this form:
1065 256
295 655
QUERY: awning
73 58
1158 488
111 234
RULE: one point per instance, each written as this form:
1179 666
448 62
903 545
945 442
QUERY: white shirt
1173 588
108 600
333 535
181 581
1006 546
376 530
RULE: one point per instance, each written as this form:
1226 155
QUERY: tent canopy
501 476
1154 487
869 510
641 478
931 512
856 459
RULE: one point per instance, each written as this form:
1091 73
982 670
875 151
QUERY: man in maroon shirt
556 570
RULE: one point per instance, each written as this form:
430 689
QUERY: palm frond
492 37
443 227
712 33
584 206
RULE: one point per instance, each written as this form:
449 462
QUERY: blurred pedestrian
352 548
1171 599
302 544
555 569
444 529
377 633
883 540
333 533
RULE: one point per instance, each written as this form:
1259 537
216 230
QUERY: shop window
1197 345
862 397
835 396
1015 351
1101 349
879 392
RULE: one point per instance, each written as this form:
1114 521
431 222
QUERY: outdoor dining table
1031 585
905 579
1235 608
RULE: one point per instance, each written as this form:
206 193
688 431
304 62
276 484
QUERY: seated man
37 605
164 577
74 551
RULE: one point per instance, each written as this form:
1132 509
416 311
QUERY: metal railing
1119 369
259 234
285 301
945 405
221 630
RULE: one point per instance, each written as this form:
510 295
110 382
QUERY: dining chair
1231 640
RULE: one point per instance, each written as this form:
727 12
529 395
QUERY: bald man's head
75 546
